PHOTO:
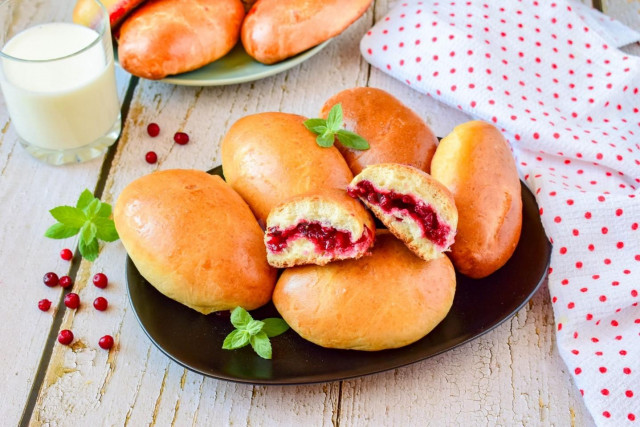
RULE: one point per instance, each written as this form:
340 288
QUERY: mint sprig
331 128
254 332
91 218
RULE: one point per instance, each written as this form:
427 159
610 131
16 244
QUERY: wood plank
627 12
511 376
136 384
28 189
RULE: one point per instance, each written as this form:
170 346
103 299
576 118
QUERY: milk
66 103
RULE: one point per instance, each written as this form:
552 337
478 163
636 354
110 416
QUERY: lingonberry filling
325 238
433 227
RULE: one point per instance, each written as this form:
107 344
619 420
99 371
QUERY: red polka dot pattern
547 74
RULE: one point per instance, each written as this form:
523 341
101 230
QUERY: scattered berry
44 304
100 280
153 129
106 342
151 157
66 254
50 279
181 138
65 337
100 304
72 300
65 281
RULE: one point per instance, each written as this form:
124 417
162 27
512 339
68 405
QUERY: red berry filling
325 238
433 227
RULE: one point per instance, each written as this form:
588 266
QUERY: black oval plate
195 340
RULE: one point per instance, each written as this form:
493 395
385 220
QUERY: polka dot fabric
548 74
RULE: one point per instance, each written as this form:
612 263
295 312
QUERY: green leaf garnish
106 229
334 119
240 318
68 215
90 218
326 139
88 250
236 339
327 131
352 139
274 327
85 198
60 231
261 345
254 332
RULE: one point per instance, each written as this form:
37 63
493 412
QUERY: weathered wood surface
28 189
512 375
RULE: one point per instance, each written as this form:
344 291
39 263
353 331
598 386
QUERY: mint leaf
260 343
88 231
352 140
328 130
254 332
274 326
68 215
316 126
254 326
92 209
104 211
90 217
240 318
236 339
60 231
88 250
334 119
106 228
326 139
85 198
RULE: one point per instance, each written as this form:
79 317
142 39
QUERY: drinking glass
58 79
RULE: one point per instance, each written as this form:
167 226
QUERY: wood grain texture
627 12
28 189
510 376
135 384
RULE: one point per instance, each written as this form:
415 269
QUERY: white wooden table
510 376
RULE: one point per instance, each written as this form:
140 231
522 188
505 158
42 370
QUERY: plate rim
294 381
286 64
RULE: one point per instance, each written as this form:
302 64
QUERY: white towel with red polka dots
548 74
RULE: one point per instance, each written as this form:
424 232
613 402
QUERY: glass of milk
58 79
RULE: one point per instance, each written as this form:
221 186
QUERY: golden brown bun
164 37
195 240
387 300
330 208
407 180
395 133
270 157
475 163
277 29
85 11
